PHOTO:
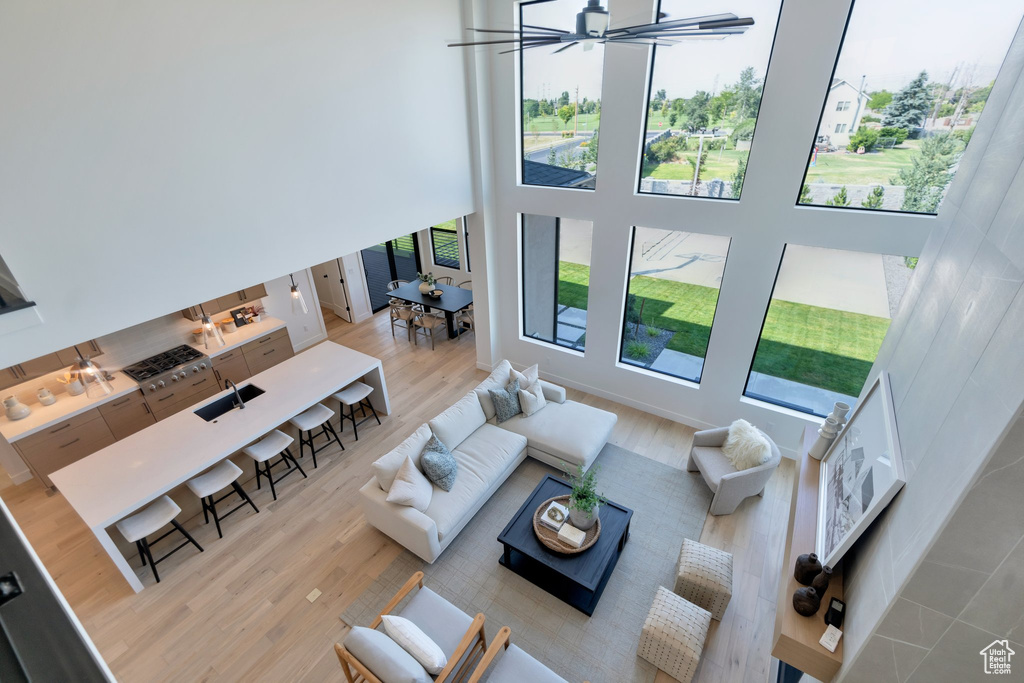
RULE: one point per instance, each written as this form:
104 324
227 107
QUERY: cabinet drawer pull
196 384
267 353
164 398
146 406
265 339
121 402
226 356
63 426
71 442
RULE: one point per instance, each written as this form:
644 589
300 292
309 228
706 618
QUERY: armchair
730 486
515 666
459 636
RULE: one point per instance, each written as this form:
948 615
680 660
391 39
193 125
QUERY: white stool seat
159 513
314 417
269 446
354 393
219 477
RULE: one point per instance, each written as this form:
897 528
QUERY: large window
670 304
444 243
907 90
561 102
829 312
556 279
703 103
11 296
398 259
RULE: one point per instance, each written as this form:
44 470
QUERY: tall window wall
556 279
671 299
561 103
703 102
444 243
907 91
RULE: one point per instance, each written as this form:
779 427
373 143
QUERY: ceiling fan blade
528 47
726 23
632 41
676 23
563 49
544 28
526 41
686 34
514 30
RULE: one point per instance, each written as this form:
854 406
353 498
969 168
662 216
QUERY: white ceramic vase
583 520
75 388
425 287
15 409
839 411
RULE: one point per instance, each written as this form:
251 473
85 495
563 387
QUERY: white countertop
119 479
243 334
65 407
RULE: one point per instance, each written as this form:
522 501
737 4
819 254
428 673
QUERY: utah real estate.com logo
997 657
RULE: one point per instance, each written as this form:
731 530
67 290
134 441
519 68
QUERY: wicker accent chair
515 666
460 636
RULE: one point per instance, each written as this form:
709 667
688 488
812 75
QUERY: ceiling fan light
593 20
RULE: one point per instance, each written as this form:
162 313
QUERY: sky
915 35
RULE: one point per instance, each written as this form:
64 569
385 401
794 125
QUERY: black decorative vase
806 601
807 567
820 582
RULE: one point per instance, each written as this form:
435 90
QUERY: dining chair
403 314
425 323
392 286
464 318
444 280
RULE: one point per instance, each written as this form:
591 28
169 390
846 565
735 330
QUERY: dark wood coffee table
576 579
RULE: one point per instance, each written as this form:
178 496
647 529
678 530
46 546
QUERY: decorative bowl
435 293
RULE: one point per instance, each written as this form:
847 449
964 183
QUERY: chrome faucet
238 396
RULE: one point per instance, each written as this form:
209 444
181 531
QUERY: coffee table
578 580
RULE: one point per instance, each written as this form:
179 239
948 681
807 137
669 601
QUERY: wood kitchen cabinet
227 302
231 365
63 443
267 351
126 415
70 355
9 377
44 365
185 395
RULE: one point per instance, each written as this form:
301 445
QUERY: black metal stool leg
355 423
270 478
149 555
142 554
370 405
245 496
184 533
287 453
216 519
328 427
259 475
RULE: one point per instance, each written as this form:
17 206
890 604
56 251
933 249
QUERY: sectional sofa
487 453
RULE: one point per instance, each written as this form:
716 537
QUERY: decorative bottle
820 582
807 567
806 601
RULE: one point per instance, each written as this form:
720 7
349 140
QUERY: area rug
668 505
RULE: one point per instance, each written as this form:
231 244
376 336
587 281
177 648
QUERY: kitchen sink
211 411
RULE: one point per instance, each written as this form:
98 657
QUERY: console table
795 640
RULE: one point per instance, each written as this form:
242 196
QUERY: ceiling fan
592 28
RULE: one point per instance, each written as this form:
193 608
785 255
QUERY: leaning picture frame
860 474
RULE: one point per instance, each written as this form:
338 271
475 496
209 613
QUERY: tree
805 195
744 130
672 118
737 178
552 157
565 113
928 174
864 137
892 132
747 94
874 198
563 99
590 153
696 110
879 100
909 106
839 199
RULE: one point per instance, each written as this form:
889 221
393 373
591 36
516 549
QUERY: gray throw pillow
439 464
384 657
506 401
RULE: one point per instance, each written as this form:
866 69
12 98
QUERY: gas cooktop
163 362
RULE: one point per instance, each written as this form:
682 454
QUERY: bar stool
136 528
317 416
274 443
225 473
355 394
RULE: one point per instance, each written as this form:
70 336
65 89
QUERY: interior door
398 259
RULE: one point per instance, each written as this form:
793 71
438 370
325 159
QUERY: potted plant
584 501
427 282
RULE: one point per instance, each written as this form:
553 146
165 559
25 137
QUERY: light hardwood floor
239 611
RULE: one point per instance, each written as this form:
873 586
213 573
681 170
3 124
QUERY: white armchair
731 486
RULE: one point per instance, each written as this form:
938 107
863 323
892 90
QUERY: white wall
304 329
156 154
759 226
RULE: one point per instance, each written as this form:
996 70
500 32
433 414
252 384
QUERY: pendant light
298 303
94 378
210 330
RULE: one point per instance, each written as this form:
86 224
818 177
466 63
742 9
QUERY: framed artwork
239 316
860 473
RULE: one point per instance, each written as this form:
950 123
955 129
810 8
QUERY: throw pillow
384 657
417 643
497 379
532 399
439 464
527 377
411 487
460 420
746 446
506 401
386 467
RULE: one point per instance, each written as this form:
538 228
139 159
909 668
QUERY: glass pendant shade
211 331
298 302
94 379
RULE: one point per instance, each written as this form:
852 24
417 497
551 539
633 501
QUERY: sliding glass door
398 259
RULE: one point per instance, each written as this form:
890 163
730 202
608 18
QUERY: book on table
572 536
554 516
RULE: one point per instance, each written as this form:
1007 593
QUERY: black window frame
554 293
465 242
444 261
15 300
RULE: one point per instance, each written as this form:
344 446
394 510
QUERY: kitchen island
112 483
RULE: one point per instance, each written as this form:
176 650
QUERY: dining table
452 300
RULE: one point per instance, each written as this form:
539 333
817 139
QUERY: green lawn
820 347
876 168
719 164
541 124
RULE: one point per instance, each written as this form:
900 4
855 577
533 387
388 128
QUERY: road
573 144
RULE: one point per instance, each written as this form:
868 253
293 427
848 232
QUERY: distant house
844 108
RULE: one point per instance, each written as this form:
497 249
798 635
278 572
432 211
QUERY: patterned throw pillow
506 401
438 464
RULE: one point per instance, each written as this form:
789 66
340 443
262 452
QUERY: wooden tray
549 537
